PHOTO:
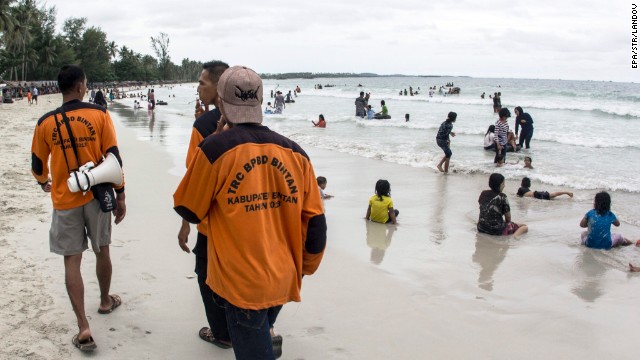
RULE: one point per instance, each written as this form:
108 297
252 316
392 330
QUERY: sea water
586 137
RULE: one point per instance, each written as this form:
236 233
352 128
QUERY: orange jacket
94 136
266 220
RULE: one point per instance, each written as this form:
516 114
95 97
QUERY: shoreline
429 287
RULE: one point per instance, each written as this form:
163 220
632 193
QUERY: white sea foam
586 134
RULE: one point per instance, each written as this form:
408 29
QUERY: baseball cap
240 90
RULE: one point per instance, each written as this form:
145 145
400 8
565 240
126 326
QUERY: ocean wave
428 159
623 106
588 141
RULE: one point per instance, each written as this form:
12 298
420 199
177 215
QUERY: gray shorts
70 229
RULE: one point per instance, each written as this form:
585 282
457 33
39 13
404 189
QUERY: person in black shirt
524 121
495 212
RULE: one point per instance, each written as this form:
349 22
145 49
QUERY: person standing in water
524 121
443 141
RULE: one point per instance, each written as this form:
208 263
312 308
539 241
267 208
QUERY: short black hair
321 180
526 182
215 69
68 77
602 202
504 112
452 116
495 180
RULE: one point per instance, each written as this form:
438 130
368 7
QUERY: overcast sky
552 39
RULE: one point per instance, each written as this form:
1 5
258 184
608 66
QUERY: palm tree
49 51
20 35
113 49
6 18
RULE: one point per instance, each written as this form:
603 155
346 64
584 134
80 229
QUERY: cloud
546 38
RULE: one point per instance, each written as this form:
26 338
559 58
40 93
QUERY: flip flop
115 302
86 345
276 343
206 335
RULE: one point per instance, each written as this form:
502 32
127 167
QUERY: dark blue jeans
215 314
249 330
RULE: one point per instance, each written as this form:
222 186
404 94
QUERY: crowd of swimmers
495 213
280 100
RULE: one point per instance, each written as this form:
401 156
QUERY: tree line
30 49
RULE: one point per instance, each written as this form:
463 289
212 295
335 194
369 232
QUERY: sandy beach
428 288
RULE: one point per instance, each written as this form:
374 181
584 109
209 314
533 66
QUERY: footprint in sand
147 276
315 330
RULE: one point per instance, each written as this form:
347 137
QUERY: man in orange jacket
77 216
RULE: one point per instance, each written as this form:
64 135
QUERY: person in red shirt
77 216
321 122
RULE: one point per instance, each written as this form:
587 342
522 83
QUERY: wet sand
430 287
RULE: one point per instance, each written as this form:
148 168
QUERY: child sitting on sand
542 195
599 220
322 184
493 207
381 206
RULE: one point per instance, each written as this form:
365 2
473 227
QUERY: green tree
160 45
94 55
44 43
113 49
149 68
73 29
129 67
6 16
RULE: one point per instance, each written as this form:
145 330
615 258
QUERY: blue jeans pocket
253 319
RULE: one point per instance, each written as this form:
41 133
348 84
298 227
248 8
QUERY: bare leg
521 230
558 193
103 272
626 242
75 289
446 164
440 164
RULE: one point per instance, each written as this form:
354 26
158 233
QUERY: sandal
276 343
206 335
115 302
86 345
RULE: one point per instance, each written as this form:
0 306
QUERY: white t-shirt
489 139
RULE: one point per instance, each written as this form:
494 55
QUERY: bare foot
570 194
440 168
634 268
84 335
